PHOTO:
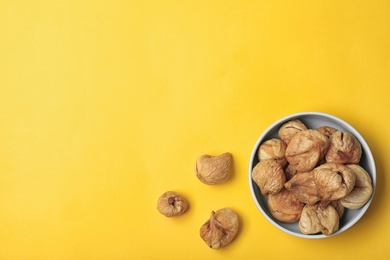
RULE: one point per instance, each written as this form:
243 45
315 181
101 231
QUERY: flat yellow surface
107 104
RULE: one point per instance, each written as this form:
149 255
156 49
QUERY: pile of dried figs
311 175
222 226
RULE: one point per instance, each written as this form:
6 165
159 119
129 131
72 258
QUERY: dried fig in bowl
362 190
338 207
333 181
290 171
220 229
285 206
269 176
315 219
327 130
344 148
290 128
171 204
306 149
302 185
274 149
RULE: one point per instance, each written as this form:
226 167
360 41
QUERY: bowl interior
312 120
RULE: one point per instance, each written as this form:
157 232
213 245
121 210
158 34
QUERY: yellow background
105 105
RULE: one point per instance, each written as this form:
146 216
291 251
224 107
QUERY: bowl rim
364 145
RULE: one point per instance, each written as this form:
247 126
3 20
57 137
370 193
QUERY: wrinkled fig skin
289 129
338 207
269 176
290 171
172 204
344 148
302 185
362 190
213 169
314 219
285 206
306 149
273 149
220 229
333 181
327 130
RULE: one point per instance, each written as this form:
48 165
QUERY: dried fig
285 206
290 171
171 204
362 190
213 169
306 149
302 185
334 181
327 130
273 149
269 176
315 219
338 207
220 229
321 162
289 129
344 148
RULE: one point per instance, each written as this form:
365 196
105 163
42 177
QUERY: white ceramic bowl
312 120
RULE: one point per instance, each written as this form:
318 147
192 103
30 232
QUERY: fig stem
212 216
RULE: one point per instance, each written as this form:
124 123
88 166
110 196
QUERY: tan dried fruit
321 162
315 219
289 129
344 148
290 171
213 169
302 185
273 149
306 149
269 176
171 204
362 190
285 206
327 130
220 229
338 207
334 181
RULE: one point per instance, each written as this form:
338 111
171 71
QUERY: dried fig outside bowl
213 170
172 204
312 120
220 229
